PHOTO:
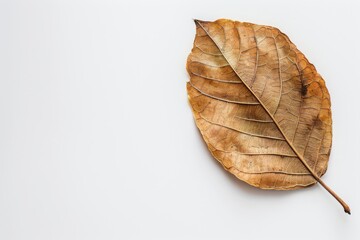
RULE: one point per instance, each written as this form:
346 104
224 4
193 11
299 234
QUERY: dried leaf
261 107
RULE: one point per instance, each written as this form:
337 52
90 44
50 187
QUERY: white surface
97 140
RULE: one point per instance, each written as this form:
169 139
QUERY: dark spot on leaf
303 90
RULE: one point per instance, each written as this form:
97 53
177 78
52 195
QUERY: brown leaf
261 107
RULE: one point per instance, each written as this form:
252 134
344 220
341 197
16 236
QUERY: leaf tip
198 21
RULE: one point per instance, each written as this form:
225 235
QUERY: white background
97 140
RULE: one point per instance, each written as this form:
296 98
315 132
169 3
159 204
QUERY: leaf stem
345 206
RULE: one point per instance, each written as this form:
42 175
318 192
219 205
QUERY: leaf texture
261 107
